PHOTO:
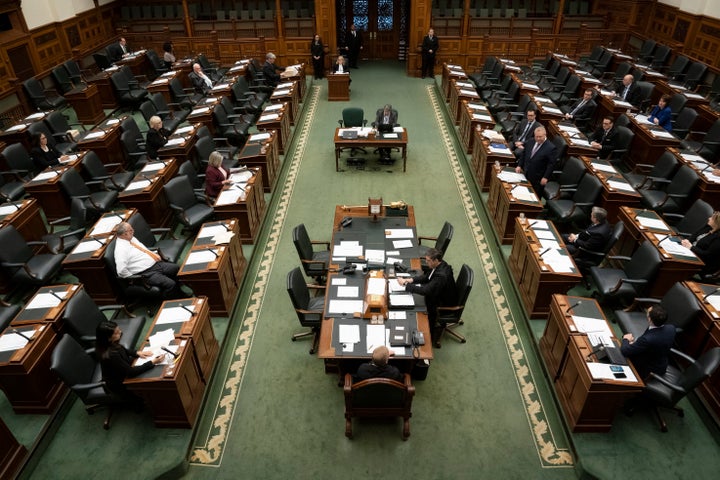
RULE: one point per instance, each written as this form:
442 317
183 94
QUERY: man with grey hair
593 238
379 366
272 78
201 82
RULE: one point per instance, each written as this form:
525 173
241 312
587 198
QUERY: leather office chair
128 124
308 309
603 64
451 316
212 70
166 110
688 223
646 90
139 82
567 178
679 302
42 99
674 198
148 110
63 81
167 246
660 56
186 98
705 144
126 96
693 75
509 121
61 143
502 101
378 398
664 168
157 64
613 80
8 311
59 126
623 139
10 188
135 156
677 68
102 60
620 285
96 203
244 97
133 291
206 144
191 209
677 103
19 161
314 263
684 122
667 390
97 171
554 81
442 241
591 60
490 89
646 50
235 129
487 68
577 208
353 117
74 71
63 241
586 258
83 375
82 315
567 93
197 181
21 266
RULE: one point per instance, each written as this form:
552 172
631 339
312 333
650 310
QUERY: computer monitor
385 128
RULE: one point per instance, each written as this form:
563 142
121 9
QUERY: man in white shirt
133 258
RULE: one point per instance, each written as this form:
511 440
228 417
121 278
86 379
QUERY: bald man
379 367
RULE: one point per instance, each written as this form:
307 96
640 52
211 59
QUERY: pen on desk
237 185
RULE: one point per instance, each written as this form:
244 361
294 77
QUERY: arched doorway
383 24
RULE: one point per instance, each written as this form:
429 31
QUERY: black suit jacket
520 128
353 43
155 141
198 83
438 288
380 117
539 166
633 97
649 352
115 51
117 366
708 249
585 112
272 78
370 370
594 238
607 143
430 44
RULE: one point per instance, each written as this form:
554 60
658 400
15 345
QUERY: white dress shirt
130 260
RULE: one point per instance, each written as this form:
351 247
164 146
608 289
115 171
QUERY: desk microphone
595 351
237 185
55 295
149 179
576 304
213 252
175 355
530 225
711 294
662 239
18 332
97 240
544 252
17 207
184 307
709 165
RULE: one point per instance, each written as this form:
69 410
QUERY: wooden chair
378 397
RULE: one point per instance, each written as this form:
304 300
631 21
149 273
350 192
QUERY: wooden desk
102 81
203 113
616 191
105 142
534 278
261 151
300 78
631 237
473 116
450 72
370 234
180 145
504 206
484 158
706 118
707 189
461 91
25 374
547 110
525 86
45 187
216 275
664 87
588 403
578 144
276 117
649 142
138 63
24 215
338 87
373 140
162 85
145 193
245 202
607 105
289 92
87 104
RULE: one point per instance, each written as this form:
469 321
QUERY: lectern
338 87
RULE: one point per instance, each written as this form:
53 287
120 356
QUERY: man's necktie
535 149
525 132
575 110
152 255
625 92
387 119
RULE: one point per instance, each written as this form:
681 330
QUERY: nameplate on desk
202 256
258 136
138 185
174 315
88 245
267 118
46 300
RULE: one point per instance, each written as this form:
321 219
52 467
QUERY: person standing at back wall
353 45
430 46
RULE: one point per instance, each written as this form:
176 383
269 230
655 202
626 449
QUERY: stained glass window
385 15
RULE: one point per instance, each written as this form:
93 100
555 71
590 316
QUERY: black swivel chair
675 196
61 143
196 180
42 99
167 246
623 139
133 291
705 144
96 203
353 117
97 171
59 126
451 316
10 188
314 263
19 263
82 315
620 285
135 155
667 390
63 241
664 168
21 165
688 223
308 309
568 178
191 209
684 122
442 241
127 96
7 313
577 208
63 81
83 375
172 111
585 258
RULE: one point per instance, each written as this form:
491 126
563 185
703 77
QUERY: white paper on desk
348 292
105 225
153 167
280 93
375 256
186 129
714 300
345 306
242 176
661 134
167 358
511 177
469 93
602 371
273 107
398 129
173 315
477 106
161 339
348 249
338 281
267 118
375 337
619 185
220 86
394 285
597 339
12 341
8 209
591 325
693 96
138 185
375 286
464 84
621 103
523 193
544 234
674 248
653 223
557 261
568 128
401 300
46 300
390 135
223 238
398 233
160 81
201 256
530 86
211 231
348 333
580 142
712 178
554 110
45 175
500 149
542 99
551 243
35 116
603 167
200 111
397 315
94 135
259 136
482 118
229 196
89 245
402 244
175 141
539 225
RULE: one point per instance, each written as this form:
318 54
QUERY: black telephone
418 338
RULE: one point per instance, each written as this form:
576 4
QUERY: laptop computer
350 134
385 128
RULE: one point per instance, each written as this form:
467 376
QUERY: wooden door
378 20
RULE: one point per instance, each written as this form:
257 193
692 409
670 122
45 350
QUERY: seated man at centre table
385 121
133 258
437 286
379 367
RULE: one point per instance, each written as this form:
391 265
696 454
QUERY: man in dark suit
649 352
538 160
430 45
438 286
523 132
117 51
200 82
582 110
353 45
379 367
604 138
629 91
593 238
272 78
385 116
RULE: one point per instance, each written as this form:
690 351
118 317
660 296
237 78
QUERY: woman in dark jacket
42 154
156 138
705 243
317 50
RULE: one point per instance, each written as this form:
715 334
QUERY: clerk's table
367 137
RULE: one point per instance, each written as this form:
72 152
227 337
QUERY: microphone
595 351
237 185
184 307
149 179
18 332
576 304
709 165
97 240
55 295
544 252
175 355
711 294
213 252
17 207
662 239
530 225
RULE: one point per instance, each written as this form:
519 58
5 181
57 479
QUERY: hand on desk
404 281
629 337
148 353
518 170
686 243
595 145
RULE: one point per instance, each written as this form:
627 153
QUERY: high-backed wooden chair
378 397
